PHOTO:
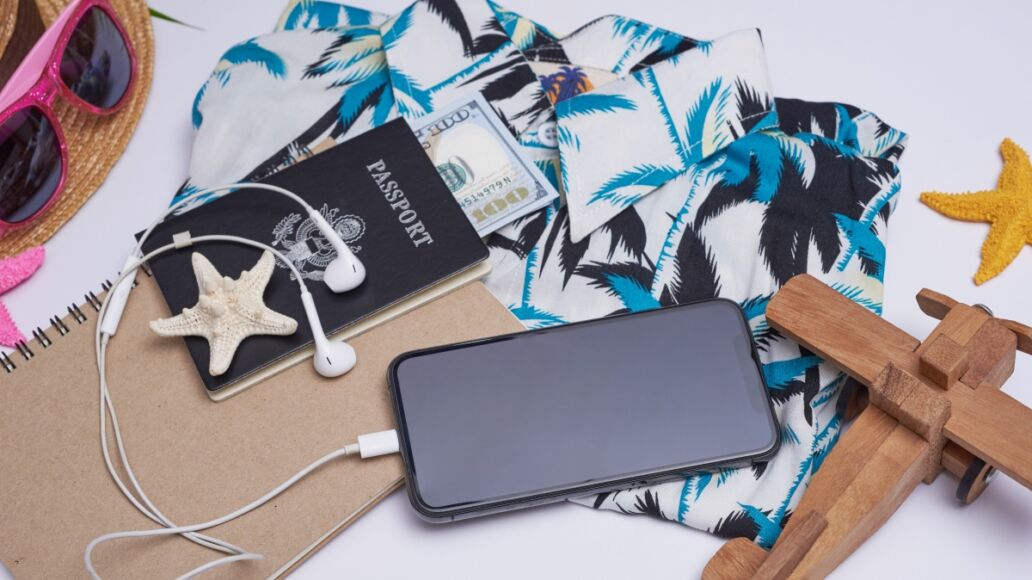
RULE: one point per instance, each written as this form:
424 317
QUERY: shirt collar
439 52
676 100
621 141
613 43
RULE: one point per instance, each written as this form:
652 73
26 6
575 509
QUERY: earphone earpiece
331 359
346 272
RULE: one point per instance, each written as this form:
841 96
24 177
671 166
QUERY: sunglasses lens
96 64
30 164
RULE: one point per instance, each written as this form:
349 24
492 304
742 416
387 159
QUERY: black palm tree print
627 232
695 272
799 214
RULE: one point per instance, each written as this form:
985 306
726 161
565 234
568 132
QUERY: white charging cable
371 445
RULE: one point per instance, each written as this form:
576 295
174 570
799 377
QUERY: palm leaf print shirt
683 177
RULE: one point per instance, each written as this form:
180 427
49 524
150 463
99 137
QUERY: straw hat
94 142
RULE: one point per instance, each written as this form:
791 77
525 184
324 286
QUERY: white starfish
227 311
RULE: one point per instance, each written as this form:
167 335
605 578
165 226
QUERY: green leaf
162 16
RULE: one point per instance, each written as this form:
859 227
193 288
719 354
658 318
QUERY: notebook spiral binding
61 324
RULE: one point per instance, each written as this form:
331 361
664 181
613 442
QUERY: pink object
37 82
14 271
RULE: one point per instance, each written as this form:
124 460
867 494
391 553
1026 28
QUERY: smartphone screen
543 415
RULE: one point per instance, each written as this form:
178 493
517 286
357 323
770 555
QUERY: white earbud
346 271
331 359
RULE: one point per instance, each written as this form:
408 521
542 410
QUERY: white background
954 75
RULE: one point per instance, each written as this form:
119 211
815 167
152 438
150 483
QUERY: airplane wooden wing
935 405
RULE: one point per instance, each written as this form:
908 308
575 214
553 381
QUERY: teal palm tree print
314 14
766 152
861 236
248 52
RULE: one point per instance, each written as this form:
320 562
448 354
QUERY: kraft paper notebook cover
198 459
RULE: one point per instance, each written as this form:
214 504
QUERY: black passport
406 227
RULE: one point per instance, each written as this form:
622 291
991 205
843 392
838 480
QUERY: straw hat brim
94 142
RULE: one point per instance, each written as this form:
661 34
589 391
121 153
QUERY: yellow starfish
1008 208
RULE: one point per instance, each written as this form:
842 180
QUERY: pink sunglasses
86 58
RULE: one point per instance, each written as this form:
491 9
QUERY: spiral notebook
195 458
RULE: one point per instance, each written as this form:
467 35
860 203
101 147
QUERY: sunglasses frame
45 90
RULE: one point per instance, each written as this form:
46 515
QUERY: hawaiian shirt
683 177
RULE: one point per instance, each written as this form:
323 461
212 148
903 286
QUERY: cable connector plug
379 443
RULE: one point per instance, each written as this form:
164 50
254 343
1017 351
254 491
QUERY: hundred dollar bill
492 179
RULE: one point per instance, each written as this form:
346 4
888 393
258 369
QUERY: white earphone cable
224 190
107 409
143 504
146 506
151 511
342 452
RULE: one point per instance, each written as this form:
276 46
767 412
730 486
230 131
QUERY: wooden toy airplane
934 405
